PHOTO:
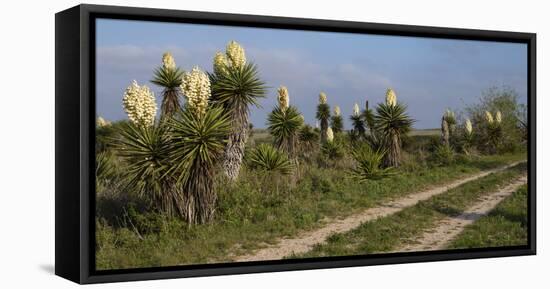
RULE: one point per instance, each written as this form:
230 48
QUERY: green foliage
333 150
323 115
237 87
284 126
309 139
170 80
337 124
369 164
358 131
269 159
443 155
508 136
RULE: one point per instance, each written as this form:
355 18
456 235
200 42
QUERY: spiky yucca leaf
197 140
284 126
369 164
238 87
104 166
170 80
267 158
358 130
337 124
144 149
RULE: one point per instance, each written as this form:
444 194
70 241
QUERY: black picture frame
75 128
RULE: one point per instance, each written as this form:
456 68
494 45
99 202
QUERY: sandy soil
305 241
447 229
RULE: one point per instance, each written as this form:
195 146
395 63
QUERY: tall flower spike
140 105
283 98
322 98
168 61
391 98
336 111
196 88
498 116
330 135
235 54
489 117
468 126
356 111
220 63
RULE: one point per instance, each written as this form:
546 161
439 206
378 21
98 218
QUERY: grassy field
394 231
252 214
506 225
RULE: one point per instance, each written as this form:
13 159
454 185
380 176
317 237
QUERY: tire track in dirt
305 241
449 228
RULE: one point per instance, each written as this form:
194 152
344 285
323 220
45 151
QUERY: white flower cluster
336 111
235 54
468 126
391 98
140 105
330 135
100 122
196 88
498 116
220 63
449 114
489 117
283 98
322 98
356 109
168 61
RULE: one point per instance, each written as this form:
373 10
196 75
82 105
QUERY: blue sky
427 74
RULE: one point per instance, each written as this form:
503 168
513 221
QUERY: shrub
369 164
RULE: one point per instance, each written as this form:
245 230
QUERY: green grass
391 232
506 225
255 211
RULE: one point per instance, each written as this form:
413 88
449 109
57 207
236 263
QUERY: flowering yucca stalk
358 130
392 122
498 117
140 105
489 117
330 135
368 117
196 88
391 97
468 127
337 124
284 123
323 115
283 98
236 86
169 77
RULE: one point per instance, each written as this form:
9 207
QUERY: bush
443 155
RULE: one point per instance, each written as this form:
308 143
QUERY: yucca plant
332 149
448 124
236 86
336 121
144 150
198 137
323 115
443 155
368 117
369 164
168 76
358 131
269 159
392 123
309 139
284 124
468 136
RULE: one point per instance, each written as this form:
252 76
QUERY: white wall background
27 143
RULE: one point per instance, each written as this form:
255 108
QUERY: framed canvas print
195 144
